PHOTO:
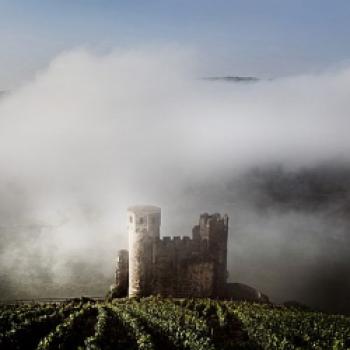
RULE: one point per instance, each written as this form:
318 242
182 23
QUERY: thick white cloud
92 134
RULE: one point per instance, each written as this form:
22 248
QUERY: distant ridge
234 79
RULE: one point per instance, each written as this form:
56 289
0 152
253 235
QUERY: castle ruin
173 266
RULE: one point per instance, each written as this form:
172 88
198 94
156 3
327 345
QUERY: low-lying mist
93 134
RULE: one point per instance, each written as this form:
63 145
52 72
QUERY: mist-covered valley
92 134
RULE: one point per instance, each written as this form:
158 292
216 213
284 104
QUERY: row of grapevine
117 329
288 329
101 338
171 324
134 327
11 317
71 333
182 327
30 327
227 330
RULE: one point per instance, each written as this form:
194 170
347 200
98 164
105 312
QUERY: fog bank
92 134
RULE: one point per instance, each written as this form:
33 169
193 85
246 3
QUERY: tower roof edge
144 209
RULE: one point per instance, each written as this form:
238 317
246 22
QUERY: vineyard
161 324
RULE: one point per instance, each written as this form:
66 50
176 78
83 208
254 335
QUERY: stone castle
173 266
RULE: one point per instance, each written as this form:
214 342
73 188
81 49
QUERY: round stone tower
143 228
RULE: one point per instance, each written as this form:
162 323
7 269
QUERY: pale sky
267 38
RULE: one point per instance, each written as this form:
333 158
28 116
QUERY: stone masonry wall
178 266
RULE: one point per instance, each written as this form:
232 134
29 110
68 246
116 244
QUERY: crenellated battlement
175 239
176 265
208 219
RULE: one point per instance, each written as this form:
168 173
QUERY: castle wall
178 266
198 281
168 256
182 268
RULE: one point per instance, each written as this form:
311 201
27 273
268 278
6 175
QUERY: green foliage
70 334
134 327
157 324
284 328
27 325
182 327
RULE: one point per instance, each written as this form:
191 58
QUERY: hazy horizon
114 113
